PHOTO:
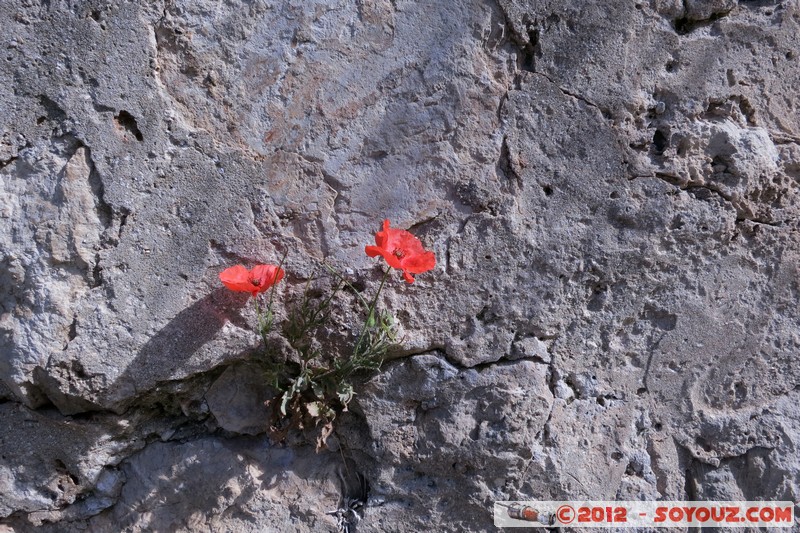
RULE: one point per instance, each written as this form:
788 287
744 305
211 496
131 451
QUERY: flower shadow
166 354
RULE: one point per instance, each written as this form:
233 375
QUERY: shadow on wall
174 345
199 482
73 456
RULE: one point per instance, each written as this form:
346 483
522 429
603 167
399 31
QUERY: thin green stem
265 319
347 283
261 322
345 370
275 282
370 312
325 303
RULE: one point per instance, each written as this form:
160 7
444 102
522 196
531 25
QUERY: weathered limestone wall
612 190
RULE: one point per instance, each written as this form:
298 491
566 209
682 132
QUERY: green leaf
266 326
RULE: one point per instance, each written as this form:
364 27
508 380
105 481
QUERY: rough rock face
612 190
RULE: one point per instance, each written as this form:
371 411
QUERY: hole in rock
126 122
660 142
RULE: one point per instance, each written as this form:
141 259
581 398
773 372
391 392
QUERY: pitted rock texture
612 191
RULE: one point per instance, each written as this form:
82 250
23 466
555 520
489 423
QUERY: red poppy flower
402 251
261 278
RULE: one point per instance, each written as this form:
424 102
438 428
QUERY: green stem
265 321
347 283
370 312
325 303
275 282
261 323
345 370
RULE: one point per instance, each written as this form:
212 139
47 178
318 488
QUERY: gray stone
233 484
48 462
238 400
706 9
450 440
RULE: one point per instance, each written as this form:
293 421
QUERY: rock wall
611 189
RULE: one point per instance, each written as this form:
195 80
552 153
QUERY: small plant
314 385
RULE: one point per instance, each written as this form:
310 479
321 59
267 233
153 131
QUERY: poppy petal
392 259
372 251
234 274
382 237
420 263
236 278
266 276
402 251
260 278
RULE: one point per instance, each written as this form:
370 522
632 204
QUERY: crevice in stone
660 142
552 378
417 225
100 108
689 464
603 400
755 4
73 332
686 24
544 434
340 199
505 166
447 258
574 95
701 191
779 138
5 162
662 475
97 273
755 220
19 520
730 107
523 48
54 111
501 107
230 257
439 350
104 211
689 485
527 46
124 212
646 376
127 124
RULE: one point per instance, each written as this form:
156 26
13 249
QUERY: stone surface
238 400
611 190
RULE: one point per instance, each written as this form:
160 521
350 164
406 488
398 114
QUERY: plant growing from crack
311 385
